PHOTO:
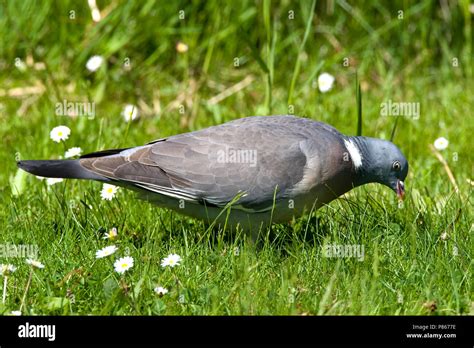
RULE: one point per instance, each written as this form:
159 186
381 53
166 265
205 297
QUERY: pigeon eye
396 166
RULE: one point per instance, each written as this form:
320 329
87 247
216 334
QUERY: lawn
189 65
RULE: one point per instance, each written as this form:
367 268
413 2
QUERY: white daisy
181 47
107 251
73 152
16 313
59 133
95 13
6 270
52 181
94 63
160 290
123 264
20 64
171 260
130 112
444 236
34 263
325 82
108 191
441 143
112 234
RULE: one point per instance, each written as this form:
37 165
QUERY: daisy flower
16 313
95 13
112 234
441 143
108 191
59 133
52 181
325 82
171 260
130 112
107 251
123 264
160 290
94 63
73 152
20 64
34 263
181 47
6 270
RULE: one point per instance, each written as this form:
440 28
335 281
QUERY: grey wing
214 165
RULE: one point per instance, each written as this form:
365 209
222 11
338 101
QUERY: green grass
407 266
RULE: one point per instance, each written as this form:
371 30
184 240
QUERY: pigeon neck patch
354 152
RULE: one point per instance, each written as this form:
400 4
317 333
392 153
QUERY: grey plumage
280 165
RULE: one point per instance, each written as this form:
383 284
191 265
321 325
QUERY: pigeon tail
67 169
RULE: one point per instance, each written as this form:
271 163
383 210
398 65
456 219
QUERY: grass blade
392 135
359 106
298 60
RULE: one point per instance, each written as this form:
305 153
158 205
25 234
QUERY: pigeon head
377 160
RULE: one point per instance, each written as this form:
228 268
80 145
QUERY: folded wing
262 160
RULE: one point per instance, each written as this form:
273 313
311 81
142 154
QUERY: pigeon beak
400 189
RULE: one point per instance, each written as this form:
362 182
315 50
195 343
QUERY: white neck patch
354 152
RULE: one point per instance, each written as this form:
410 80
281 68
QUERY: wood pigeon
268 168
